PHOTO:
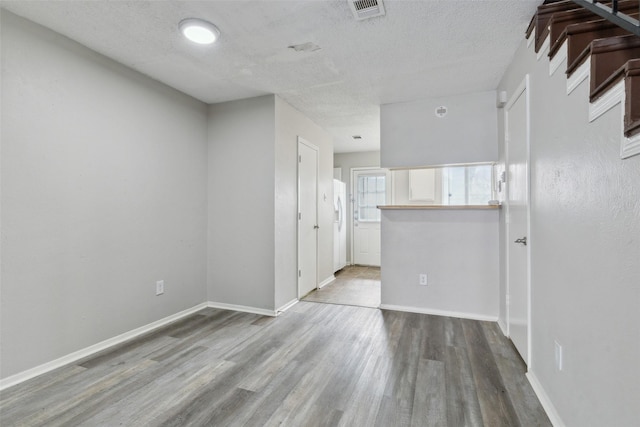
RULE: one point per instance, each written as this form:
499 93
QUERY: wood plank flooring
354 285
315 365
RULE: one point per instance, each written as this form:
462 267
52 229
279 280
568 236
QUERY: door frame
524 89
298 251
352 198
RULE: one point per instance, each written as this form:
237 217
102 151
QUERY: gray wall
457 249
112 181
253 201
346 161
290 124
411 134
103 193
241 202
585 248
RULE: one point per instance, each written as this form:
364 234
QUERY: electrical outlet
558 354
160 287
423 279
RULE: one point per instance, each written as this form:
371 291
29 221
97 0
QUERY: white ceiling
420 49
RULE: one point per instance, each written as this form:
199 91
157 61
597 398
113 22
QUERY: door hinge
299 216
299 273
299 159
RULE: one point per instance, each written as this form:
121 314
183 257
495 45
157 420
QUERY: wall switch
558 354
160 287
423 279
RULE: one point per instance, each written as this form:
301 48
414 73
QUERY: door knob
522 240
315 227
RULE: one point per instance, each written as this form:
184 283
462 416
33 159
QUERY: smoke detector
365 9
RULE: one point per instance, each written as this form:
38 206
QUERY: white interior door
369 191
518 297
307 217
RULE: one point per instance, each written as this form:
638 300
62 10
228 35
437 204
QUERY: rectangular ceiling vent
365 9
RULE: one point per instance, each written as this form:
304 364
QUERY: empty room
320 213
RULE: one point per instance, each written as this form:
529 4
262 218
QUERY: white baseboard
88 351
551 411
559 58
242 308
579 75
503 327
610 99
472 316
326 281
544 49
287 306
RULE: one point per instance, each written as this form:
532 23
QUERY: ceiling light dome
199 31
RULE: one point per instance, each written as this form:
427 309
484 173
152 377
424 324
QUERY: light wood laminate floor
354 285
315 365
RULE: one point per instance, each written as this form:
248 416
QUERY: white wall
585 247
290 124
241 203
411 134
346 161
457 249
103 193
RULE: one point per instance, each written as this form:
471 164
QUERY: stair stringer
629 146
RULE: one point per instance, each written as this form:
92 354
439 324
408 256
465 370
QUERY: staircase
604 51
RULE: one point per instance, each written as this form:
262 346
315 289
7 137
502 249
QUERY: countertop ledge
439 207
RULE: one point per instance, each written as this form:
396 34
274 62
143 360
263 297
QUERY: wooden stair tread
542 16
632 98
560 21
531 27
607 57
532 23
614 51
580 36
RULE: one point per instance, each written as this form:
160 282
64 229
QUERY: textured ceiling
420 49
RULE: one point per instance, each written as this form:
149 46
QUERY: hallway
354 285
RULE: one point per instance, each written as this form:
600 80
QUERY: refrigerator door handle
339 213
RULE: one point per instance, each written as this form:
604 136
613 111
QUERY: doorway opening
359 282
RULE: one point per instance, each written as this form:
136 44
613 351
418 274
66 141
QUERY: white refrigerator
339 225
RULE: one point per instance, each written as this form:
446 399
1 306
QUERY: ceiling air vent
365 9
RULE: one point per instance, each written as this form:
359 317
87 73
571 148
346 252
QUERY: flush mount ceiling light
199 31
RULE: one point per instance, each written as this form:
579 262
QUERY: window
470 184
467 185
371 193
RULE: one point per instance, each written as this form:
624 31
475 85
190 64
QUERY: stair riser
578 43
560 21
604 65
543 16
632 105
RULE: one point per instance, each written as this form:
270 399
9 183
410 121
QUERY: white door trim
317 150
524 87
